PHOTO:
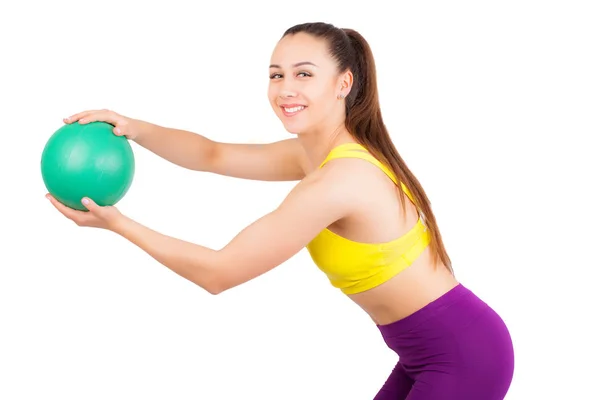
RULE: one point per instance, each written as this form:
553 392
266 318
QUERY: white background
494 106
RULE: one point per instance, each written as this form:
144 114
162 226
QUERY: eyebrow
295 65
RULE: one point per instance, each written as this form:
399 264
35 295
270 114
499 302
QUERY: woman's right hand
123 126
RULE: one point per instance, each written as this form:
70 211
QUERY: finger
76 117
111 117
97 115
79 217
108 116
64 210
90 205
101 115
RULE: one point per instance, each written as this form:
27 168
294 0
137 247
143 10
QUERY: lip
291 114
291 105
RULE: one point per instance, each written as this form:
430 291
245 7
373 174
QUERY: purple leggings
455 348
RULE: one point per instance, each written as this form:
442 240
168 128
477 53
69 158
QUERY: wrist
137 126
119 224
142 129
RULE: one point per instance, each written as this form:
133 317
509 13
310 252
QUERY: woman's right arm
279 161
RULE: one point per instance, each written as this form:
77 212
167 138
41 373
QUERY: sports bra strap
355 150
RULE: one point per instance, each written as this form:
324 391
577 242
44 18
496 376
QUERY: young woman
358 209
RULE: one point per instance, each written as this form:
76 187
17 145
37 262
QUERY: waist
406 293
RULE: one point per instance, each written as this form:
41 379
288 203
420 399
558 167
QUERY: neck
318 144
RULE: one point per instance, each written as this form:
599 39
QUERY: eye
300 74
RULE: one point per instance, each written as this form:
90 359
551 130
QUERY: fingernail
117 131
85 201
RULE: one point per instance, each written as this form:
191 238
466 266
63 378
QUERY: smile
289 111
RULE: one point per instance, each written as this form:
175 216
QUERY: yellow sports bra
355 267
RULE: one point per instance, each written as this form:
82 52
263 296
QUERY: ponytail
364 121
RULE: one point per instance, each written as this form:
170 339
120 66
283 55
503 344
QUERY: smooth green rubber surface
87 160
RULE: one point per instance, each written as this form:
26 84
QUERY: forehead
301 47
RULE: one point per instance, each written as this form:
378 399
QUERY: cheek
326 93
272 97
325 99
271 93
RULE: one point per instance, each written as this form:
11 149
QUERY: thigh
437 385
440 385
397 386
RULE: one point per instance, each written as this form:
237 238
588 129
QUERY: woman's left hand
95 217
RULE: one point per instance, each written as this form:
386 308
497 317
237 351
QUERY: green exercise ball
87 160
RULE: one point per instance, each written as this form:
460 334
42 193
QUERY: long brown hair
363 115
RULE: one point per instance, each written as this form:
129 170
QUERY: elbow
209 157
215 289
213 292
211 288
219 285
214 285
219 278
210 275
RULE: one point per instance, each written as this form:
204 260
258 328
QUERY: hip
458 330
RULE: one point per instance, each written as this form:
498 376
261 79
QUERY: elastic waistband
429 311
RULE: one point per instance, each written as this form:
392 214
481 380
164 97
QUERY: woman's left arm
311 206
266 243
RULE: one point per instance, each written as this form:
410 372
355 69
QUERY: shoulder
363 182
326 191
354 173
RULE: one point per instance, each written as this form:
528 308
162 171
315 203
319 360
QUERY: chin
295 125
294 129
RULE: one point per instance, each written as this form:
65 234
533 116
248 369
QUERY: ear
345 81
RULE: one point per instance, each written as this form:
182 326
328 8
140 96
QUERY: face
304 84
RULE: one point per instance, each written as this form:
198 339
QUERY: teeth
293 109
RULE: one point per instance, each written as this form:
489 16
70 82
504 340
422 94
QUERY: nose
285 93
287 90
